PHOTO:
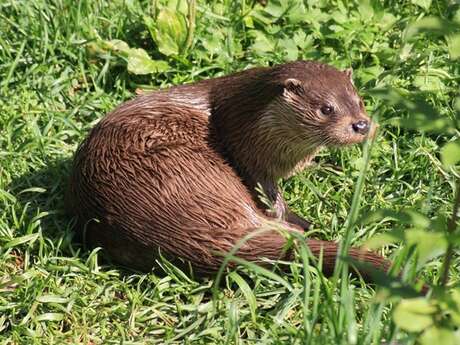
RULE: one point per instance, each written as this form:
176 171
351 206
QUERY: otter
177 170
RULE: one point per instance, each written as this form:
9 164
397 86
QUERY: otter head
326 107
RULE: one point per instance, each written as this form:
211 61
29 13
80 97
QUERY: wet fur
176 170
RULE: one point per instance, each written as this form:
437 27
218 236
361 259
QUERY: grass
54 88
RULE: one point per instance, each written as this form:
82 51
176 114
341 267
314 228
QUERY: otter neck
252 125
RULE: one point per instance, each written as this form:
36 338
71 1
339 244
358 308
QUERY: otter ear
349 73
292 84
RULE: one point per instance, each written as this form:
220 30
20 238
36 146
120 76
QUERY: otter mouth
361 129
355 133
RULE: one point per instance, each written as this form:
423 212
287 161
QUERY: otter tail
372 267
272 245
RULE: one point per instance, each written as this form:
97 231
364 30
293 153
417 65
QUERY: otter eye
327 109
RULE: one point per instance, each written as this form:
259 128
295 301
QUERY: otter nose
361 127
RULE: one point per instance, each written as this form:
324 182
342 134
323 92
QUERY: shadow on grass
41 197
40 194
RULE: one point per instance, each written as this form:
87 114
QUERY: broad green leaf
409 216
387 21
440 336
340 17
369 73
414 315
303 41
433 25
450 301
119 45
380 240
276 8
116 46
214 44
453 45
429 83
290 48
103 47
450 153
438 224
421 115
169 31
139 62
261 43
177 5
425 4
296 12
429 244
366 10
260 16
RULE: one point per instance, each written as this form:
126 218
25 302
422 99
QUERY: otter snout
361 127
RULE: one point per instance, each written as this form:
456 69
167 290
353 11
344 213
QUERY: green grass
54 88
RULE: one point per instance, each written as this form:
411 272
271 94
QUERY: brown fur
177 169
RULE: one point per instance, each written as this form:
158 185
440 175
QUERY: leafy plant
172 27
137 59
435 319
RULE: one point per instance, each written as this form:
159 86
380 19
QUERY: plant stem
451 226
153 9
354 209
191 24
